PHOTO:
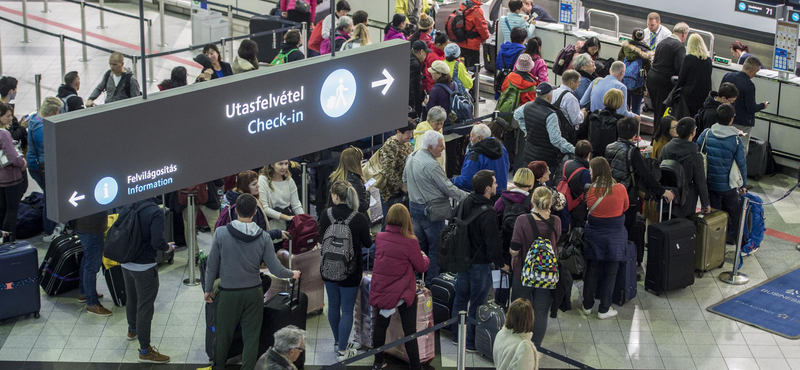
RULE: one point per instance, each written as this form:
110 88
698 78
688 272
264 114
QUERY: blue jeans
427 233
90 265
472 287
635 103
49 226
342 303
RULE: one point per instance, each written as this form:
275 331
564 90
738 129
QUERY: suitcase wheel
319 311
171 261
36 315
700 274
721 264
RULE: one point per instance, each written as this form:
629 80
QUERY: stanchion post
37 80
46 8
63 55
304 183
25 39
152 73
1 56
477 94
735 277
222 49
102 16
304 30
134 68
83 32
230 27
162 22
192 250
461 355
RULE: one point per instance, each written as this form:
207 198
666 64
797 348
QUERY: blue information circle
742 6
106 190
338 93
796 17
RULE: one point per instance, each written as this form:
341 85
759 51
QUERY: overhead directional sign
116 154
756 8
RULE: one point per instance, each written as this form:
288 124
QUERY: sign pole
192 242
735 277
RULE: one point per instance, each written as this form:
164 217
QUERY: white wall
720 11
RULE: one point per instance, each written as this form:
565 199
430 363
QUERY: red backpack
201 196
563 59
563 188
304 233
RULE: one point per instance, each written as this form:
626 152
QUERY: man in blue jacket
486 153
725 149
745 104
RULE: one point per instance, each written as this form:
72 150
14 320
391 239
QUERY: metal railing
601 12
710 38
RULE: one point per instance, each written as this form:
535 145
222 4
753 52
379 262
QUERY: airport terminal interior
672 330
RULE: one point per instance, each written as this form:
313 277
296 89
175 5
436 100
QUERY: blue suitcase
19 275
625 286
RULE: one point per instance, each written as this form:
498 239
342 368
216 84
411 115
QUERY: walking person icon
338 93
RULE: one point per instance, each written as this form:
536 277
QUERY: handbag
571 256
4 160
735 180
302 7
705 155
438 209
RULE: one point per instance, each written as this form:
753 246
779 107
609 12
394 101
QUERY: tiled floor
673 331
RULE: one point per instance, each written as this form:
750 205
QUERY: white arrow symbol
387 82
75 198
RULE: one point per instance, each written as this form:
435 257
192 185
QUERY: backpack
503 73
510 101
604 67
563 59
338 255
225 216
512 211
459 85
673 177
602 131
124 81
454 248
460 105
303 230
64 106
540 269
456 26
29 216
633 78
200 191
124 238
568 131
282 58
563 188
754 224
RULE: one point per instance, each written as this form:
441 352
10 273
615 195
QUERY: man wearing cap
541 124
597 89
416 97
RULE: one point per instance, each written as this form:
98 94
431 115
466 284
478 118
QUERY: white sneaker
49 238
354 345
611 313
586 311
348 353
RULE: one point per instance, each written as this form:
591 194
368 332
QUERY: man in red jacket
475 24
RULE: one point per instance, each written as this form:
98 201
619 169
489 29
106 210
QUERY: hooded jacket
522 80
484 232
634 51
723 146
151 226
709 117
293 56
393 33
487 154
259 219
74 102
397 259
507 57
687 154
427 80
475 21
35 153
108 86
240 65
515 196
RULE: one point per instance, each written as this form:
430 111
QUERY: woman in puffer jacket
394 287
636 50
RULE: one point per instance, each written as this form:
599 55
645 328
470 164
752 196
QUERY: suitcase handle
661 210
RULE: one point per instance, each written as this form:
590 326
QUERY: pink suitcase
426 343
308 263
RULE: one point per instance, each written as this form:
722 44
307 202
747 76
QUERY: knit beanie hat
524 63
452 51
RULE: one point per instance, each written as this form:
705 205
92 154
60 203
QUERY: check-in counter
780 123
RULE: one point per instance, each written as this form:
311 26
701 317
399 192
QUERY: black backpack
502 74
124 239
454 246
673 177
512 211
602 131
125 82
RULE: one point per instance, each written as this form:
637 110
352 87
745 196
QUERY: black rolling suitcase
269 45
60 269
286 308
236 346
443 292
757 158
116 285
19 294
670 255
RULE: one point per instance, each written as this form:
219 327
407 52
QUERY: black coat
745 104
669 57
709 116
226 69
695 79
415 95
484 232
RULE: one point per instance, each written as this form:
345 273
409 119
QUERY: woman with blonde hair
278 195
342 290
397 260
359 37
513 349
520 193
350 170
613 99
695 76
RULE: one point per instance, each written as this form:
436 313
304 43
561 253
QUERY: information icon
106 190
338 93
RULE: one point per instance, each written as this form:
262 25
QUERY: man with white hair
666 63
598 89
290 342
486 153
427 187
542 124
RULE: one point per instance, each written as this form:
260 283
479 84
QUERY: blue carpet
773 305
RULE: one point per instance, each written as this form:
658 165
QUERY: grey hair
431 138
50 106
482 130
437 114
681 28
580 61
288 338
617 68
344 22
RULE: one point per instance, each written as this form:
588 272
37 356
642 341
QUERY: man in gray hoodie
237 251
118 83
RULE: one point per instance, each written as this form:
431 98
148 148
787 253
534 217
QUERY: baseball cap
420 45
544 88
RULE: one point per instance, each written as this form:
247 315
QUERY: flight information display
112 155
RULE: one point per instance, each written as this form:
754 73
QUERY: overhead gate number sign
116 154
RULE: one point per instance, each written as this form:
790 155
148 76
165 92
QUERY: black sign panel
794 16
112 155
755 8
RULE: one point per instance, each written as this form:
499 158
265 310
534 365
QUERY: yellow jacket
401 7
463 75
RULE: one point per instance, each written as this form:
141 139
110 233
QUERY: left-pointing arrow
75 198
387 82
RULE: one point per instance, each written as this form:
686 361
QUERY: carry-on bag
116 285
670 255
427 342
492 317
19 293
280 311
757 158
625 286
709 251
60 269
443 290
237 345
308 264
364 324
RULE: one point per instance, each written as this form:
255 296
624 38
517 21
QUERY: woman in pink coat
394 283
534 49
289 11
